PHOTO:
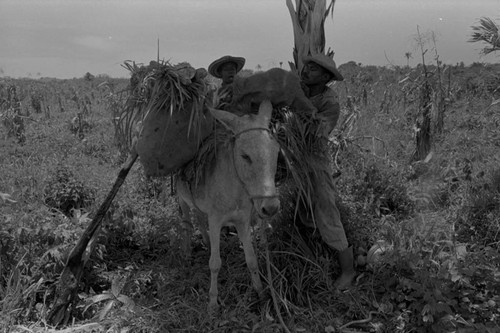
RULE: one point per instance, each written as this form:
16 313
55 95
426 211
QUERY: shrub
380 185
79 125
433 289
36 99
479 216
65 193
14 123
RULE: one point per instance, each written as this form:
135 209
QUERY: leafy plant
36 99
438 287
479 221
65 193
112 298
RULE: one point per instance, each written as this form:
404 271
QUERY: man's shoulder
330 92
329 95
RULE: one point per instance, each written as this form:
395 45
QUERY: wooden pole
67 287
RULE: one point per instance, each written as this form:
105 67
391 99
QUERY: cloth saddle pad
282 88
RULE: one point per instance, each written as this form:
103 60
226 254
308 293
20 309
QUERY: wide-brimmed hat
215 67
327 63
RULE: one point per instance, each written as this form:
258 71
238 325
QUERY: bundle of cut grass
192 172
297 132
164 115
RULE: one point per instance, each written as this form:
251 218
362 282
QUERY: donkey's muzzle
267 207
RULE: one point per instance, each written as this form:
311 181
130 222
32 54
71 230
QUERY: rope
252 129
360 321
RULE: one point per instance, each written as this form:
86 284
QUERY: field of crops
436 214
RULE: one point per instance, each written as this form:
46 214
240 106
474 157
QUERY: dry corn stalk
308 20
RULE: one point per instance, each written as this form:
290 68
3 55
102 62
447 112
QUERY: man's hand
315 114
305 88
320 117
325 126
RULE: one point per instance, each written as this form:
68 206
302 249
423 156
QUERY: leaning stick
69 280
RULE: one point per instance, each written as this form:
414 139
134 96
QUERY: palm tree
408 56
486 32
308 20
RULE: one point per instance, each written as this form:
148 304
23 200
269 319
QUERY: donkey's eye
246 158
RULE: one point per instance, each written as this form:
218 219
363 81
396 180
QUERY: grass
440 216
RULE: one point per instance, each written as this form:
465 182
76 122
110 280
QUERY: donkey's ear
266 110
227 119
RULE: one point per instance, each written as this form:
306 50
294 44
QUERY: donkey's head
255 155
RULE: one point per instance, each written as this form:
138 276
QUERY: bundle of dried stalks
205 156
164 117
296 134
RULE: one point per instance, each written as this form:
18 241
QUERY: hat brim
215 67
327 64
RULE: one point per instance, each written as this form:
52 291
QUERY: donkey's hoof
213 308
257 300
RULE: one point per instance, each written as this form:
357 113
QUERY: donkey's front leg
214 227
243 229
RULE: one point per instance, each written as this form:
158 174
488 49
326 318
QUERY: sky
68 38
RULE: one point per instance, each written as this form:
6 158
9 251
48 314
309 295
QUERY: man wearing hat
318 71
226 68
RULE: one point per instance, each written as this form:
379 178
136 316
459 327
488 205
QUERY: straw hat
327 63
215 67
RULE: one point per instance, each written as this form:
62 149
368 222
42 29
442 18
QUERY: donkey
240 180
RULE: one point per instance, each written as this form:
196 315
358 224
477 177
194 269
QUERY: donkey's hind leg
214 226
244 235
186 227
202 224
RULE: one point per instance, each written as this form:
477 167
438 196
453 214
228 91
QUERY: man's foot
346 260
344 281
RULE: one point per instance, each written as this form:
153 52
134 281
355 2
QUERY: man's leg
327 218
